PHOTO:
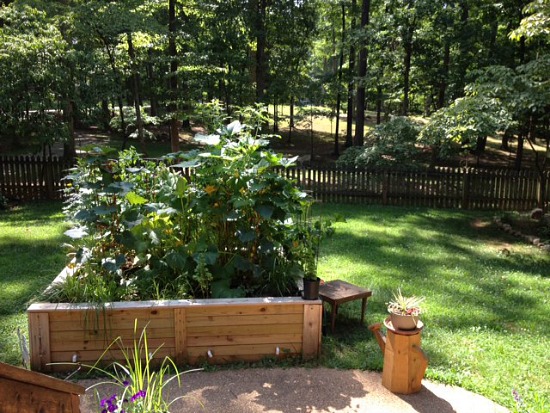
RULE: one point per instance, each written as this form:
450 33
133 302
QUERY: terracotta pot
311 289
404 322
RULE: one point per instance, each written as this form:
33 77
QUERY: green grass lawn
30 257
487 296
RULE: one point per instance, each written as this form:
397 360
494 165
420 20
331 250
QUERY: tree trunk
408 34
362 72
275 117
172 51
69 149
135 84
408 46
349 118
105 115
444 75
153 98
505 143
519 153
464 45
481 143
261 42
339 94
118 78
379 96
291 121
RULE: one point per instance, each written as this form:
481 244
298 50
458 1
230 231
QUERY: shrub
390 144
131 122
219 222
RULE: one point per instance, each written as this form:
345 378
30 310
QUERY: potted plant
405 311
313 234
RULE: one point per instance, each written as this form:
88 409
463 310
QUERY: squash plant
220 221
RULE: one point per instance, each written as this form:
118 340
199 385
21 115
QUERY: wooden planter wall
189 331
23 391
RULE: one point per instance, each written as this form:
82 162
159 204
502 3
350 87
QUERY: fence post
466 188
541 189
48 176
385 187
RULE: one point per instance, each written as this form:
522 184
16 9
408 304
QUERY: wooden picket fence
28 178
32 178
441 187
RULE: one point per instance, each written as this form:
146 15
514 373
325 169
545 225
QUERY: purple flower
109 401
125 383
139 395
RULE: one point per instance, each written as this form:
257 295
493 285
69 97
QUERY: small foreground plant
141 385
402 305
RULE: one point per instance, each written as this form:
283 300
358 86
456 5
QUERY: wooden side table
338 292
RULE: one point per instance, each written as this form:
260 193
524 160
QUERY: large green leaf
181 186
135 199
222 289
113 264
265 211
246 236
102 210
176 260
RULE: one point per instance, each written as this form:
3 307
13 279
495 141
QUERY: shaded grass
30 258
486 315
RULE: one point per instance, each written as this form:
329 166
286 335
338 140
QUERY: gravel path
307 390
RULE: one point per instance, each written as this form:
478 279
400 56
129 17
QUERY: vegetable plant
219 221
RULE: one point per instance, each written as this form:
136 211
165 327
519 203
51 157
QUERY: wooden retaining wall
189 331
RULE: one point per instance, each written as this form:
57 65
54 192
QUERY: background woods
471 69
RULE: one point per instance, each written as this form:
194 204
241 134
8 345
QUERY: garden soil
303 390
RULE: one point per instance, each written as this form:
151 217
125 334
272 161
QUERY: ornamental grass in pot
405 311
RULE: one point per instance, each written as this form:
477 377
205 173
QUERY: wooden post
385 187
39 330
465 188
180 334
312 330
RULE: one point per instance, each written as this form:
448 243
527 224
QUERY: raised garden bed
190 331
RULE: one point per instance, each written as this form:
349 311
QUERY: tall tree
351 69
362 73
173 53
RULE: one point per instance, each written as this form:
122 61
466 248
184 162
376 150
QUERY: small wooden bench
338 292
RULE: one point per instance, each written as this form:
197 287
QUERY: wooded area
472 69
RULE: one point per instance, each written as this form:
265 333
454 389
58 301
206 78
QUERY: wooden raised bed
190 331
24 391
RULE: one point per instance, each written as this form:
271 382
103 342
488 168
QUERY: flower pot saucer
389 326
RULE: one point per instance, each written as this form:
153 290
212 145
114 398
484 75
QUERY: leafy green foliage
457 127
391 144
536 23
218 222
